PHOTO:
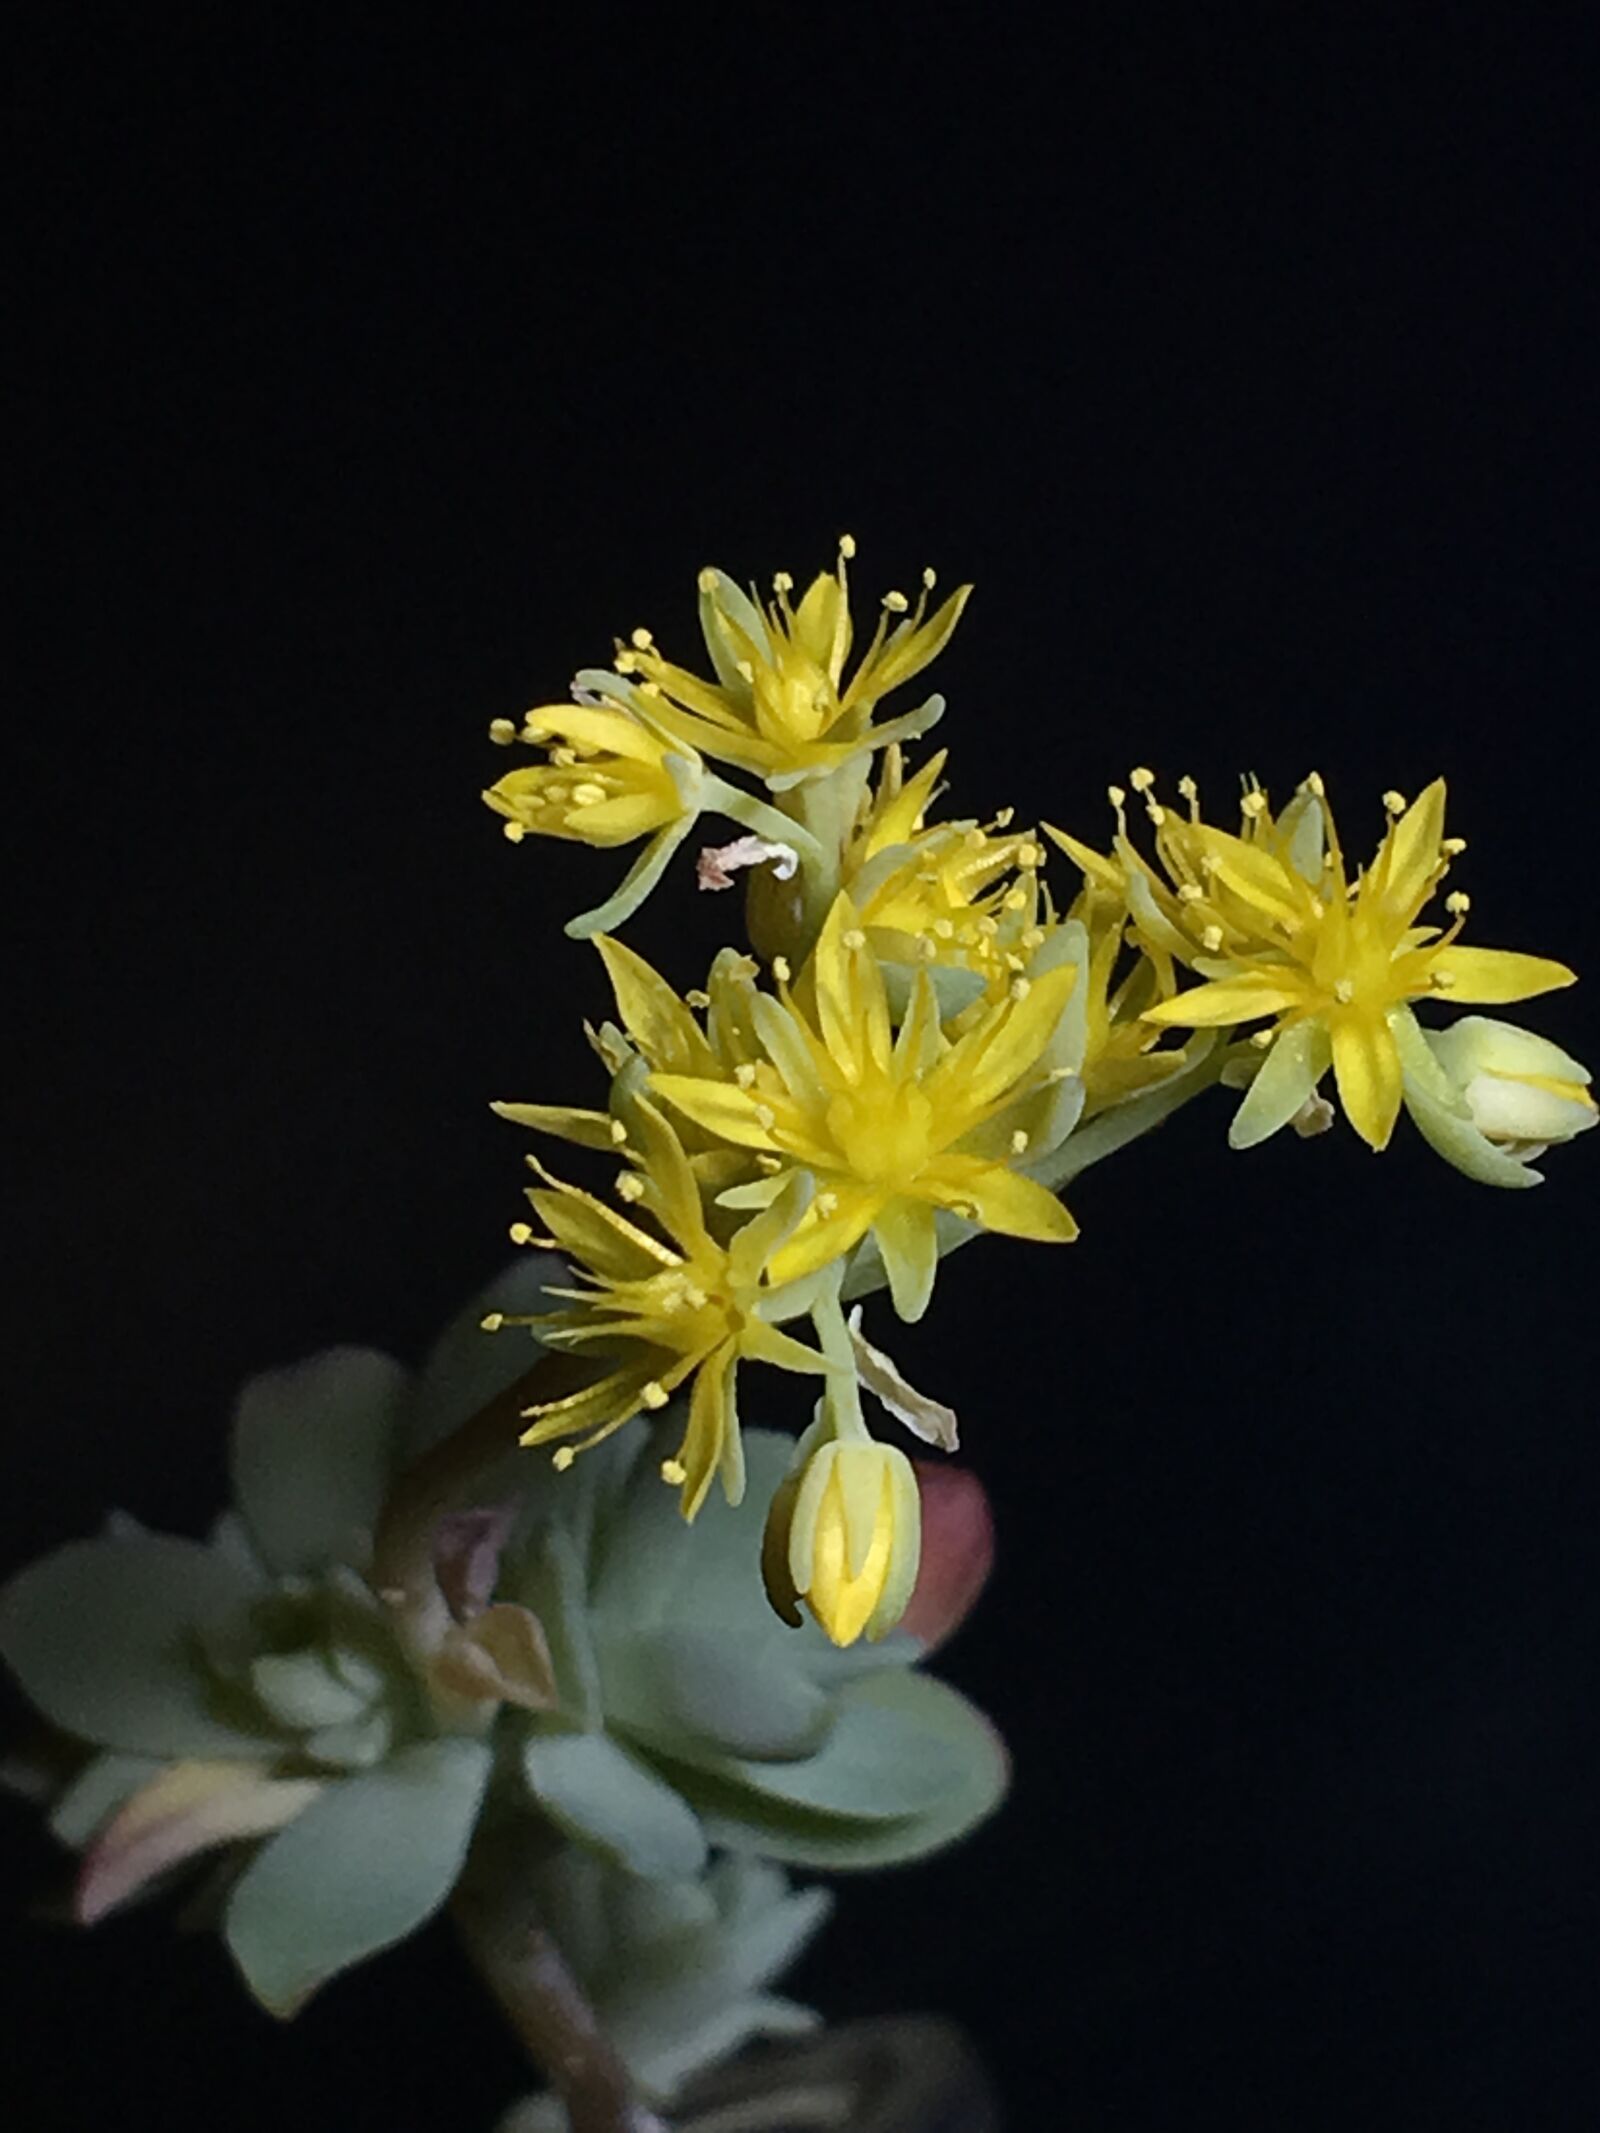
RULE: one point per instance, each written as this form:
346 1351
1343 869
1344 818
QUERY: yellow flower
609 780
662 1309
956 899
780 705
1491 1098
844 1535
892 1126
1273 926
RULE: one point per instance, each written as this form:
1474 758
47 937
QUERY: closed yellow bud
844 1536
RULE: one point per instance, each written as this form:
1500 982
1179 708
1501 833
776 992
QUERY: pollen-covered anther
769 1165
1344 991
1141 779
1452 847
1261 1038
513 832
1030 856
944 928
520 1233
847 546
766 1117
782 582
653 1395
1005 818
854 938
630 1187
491 1321
562 1457
707 580
827 1203
976 840
1441 980
1253 804
1156 812
674 1473
1458 903
927 948
1019 1142
1394 802
1187 788
1033 938
1190 892
619 1133
896 602
1015 900
781 970
1019 988
745 1074
1211 940
930 578
697 999
502 731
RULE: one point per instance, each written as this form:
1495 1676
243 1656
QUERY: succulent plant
610 1680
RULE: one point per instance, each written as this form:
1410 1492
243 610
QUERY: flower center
884 1133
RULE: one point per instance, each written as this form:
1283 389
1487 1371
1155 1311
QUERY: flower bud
1523 1092
844 1535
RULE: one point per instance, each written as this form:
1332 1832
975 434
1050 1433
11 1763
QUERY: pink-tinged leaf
466 1555
957 1550
191 1808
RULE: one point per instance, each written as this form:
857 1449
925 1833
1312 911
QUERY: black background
368 380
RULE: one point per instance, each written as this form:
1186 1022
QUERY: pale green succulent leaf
103 1636
673 1683
103 1785
365 1865
311 1455
601 1795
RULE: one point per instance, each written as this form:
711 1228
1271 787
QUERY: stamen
854 938
1019 1142
1019 989
896 603
520 1233
502 731
1458 903
1261 1038
1394 802
619 1133
492 1321
654 1395
930 578
827 1203
781 970
1253 804
697 998
847 546
630 1188
1344 991
1211 940
1004 818
641 640
1190 892
1441 980
562 1457
1141 780
513 832
745 1074
674 1472
782 582
1453 847
707 580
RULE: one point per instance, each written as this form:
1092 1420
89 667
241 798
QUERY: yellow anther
1190 892
1004 818
674 1472
1211 940
976 840
1344 991
513 832
1452 847
1253 804
492 1321
745 670
1030 855
1141 779
1441 980
781 970
1019 988
745 1074
619 1133
782 582
1394 802
1019 1142
1116 795
563 758
1458 903
827 1203
930 578
641 640
588 794
896 603
649 688
847 546
697 998
1156 812
1261 1038
520 1233
654 1395
1033 938
853 937
944 928
562 1457
1015 900
1187 788
927 947
502 731
988 927
630 1187
766 1117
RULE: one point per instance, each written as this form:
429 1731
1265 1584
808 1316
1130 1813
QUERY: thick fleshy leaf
96 1793
311 1455
359 1869
946 1729
188 1809
603 1796
102 1635
673 1685
1462 1145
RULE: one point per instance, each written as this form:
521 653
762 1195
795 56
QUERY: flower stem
536 1990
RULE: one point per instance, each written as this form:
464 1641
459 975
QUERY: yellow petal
998 1198
721 1107
1411 852
1367 1068
909 1241
1225 1000
588 1129
608 731
1487 977
653 1015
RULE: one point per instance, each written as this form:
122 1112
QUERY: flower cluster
925 1044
